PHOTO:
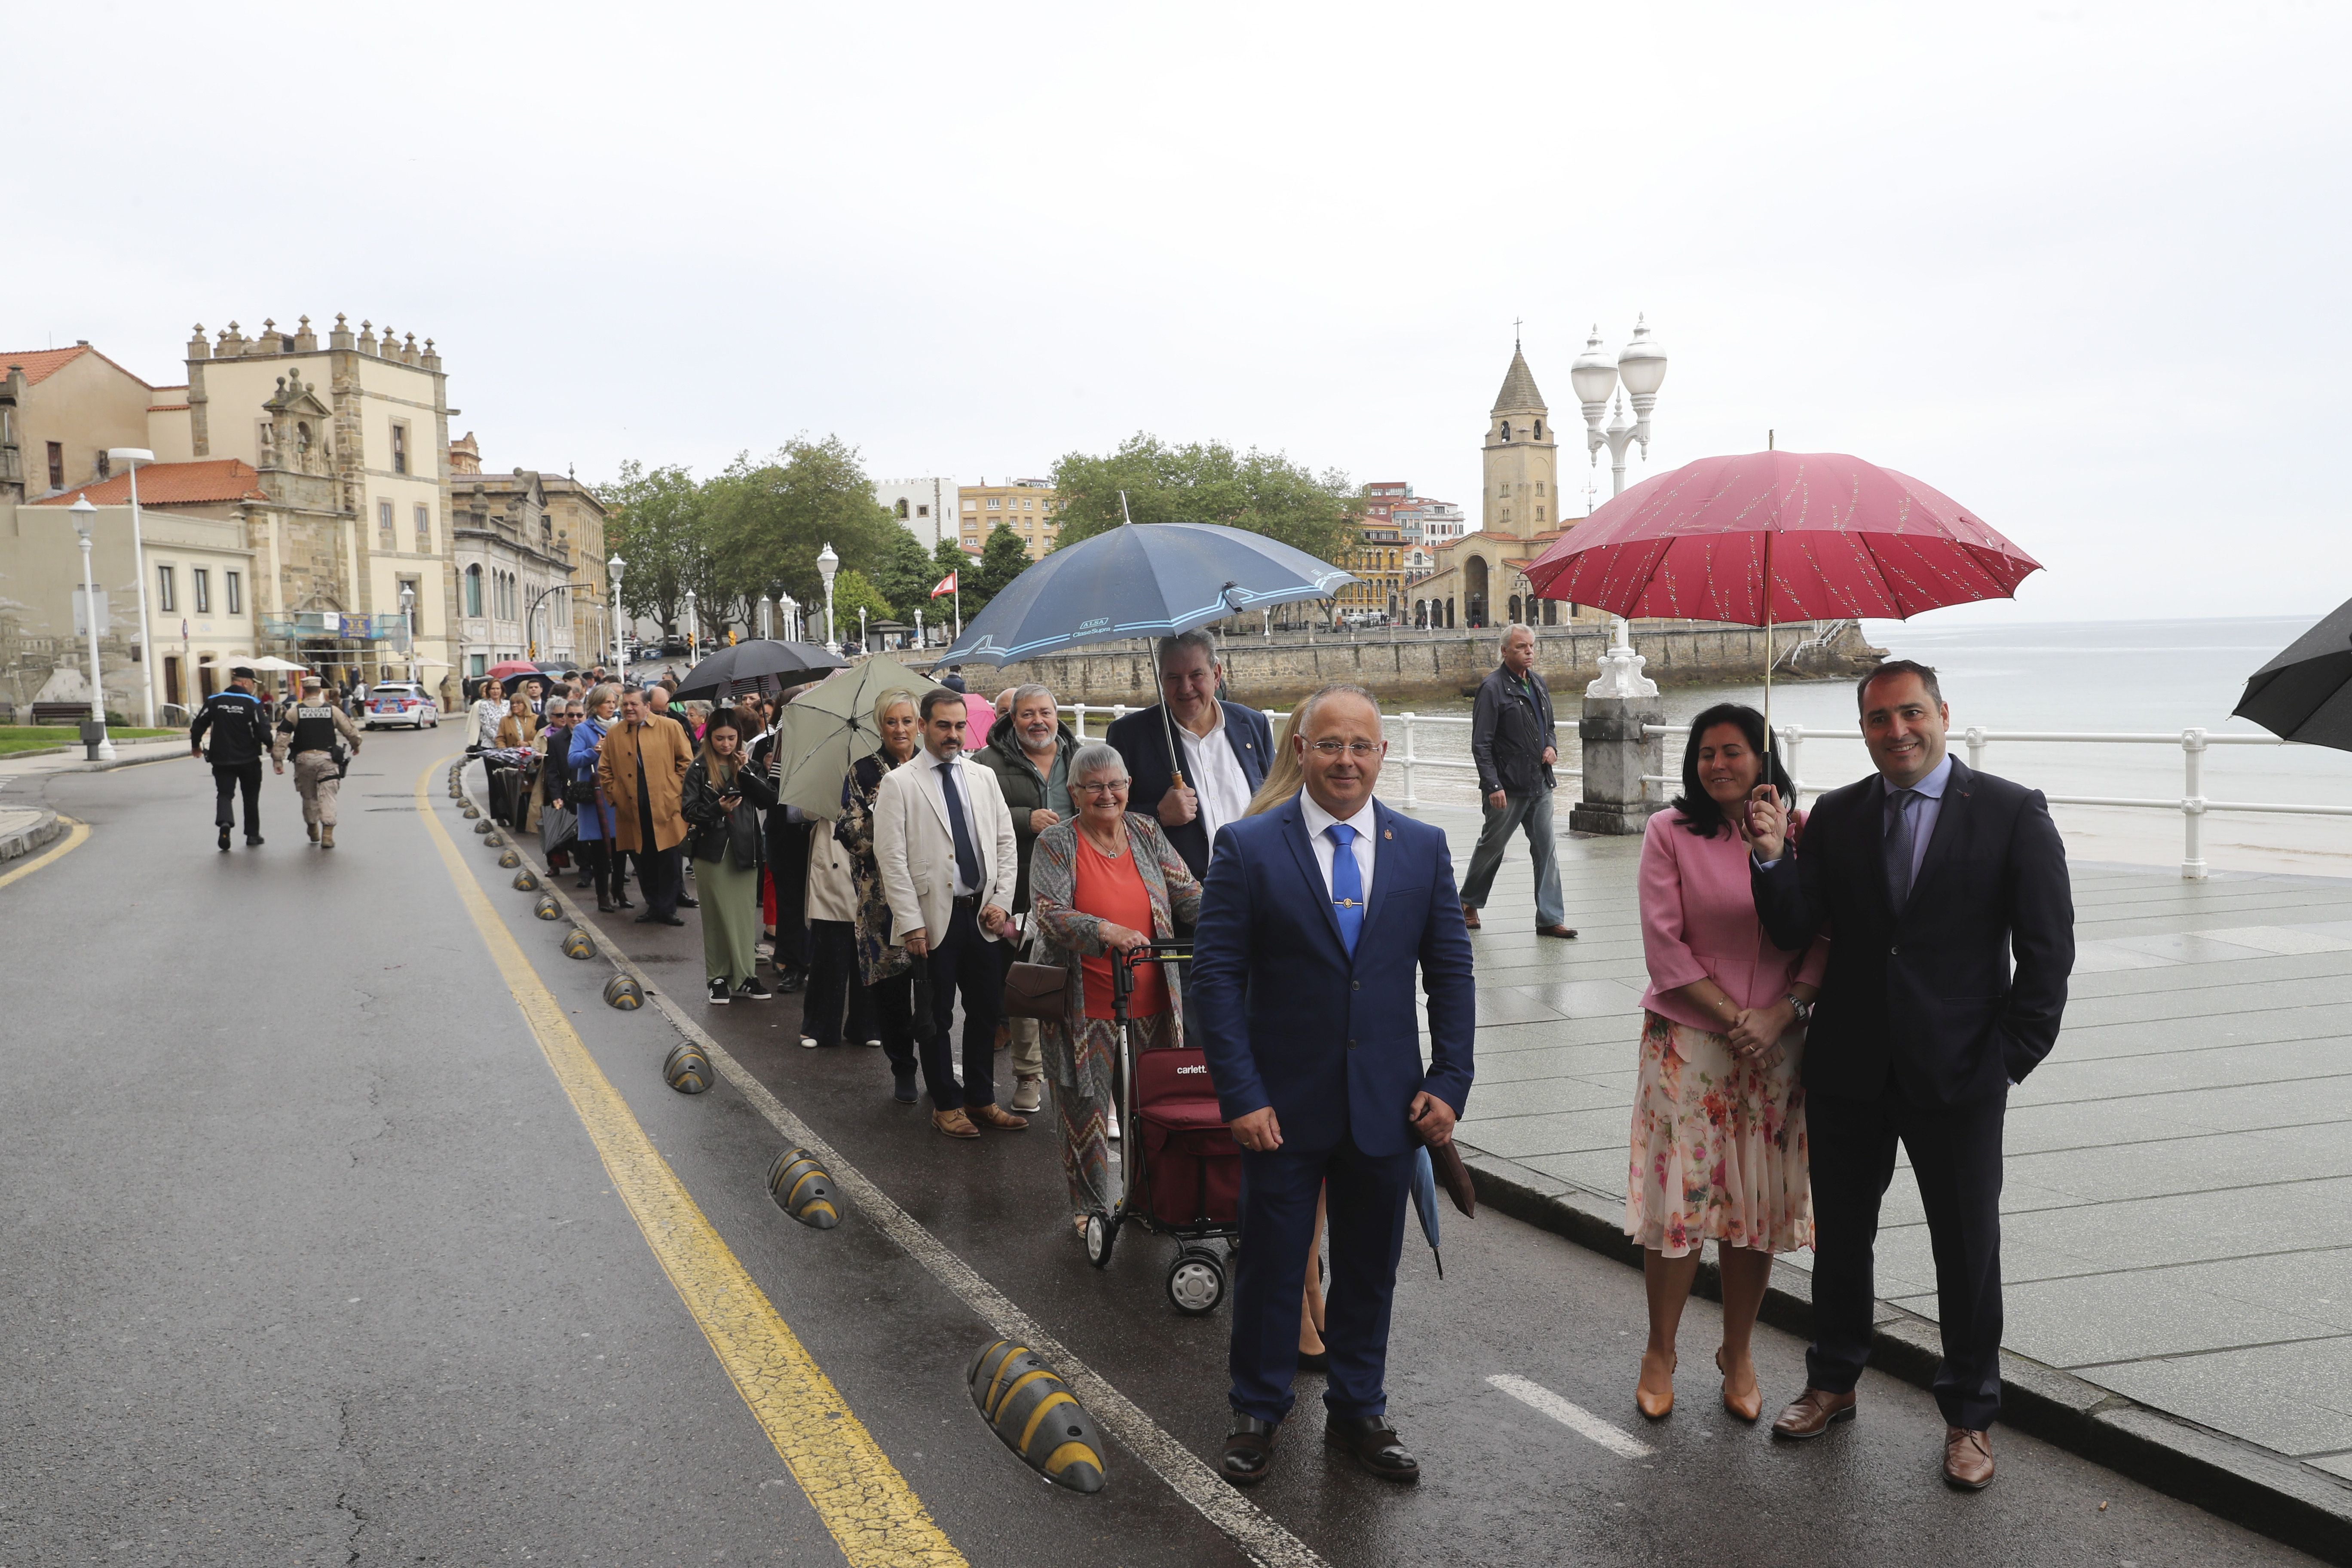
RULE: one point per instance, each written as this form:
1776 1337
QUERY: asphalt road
309 1259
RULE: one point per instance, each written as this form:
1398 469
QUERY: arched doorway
1516 616
1449 612
1474 591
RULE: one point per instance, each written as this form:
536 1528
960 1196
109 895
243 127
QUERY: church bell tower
1521 497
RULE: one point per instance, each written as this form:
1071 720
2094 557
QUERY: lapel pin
1388 833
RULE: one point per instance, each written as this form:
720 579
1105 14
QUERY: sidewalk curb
44 831
2265 1492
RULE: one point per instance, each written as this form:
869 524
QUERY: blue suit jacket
1142 737
1286 1018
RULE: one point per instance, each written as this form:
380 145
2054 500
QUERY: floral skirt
1719 1145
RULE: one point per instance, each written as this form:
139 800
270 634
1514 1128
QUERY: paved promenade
2178 1198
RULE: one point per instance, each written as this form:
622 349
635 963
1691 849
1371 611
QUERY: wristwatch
1804 1009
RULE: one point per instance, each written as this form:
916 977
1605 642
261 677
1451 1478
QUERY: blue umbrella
1140 580
1424 1203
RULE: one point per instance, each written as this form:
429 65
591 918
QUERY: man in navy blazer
1226 746
1314 918
1928 877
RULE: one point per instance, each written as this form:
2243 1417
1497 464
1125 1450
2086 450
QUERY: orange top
1112 890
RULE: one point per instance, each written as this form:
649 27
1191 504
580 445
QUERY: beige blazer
917 856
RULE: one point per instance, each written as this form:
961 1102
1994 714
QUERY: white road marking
1575 1418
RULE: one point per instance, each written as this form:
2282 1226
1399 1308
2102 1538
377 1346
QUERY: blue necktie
967 858
1900 838
1347 886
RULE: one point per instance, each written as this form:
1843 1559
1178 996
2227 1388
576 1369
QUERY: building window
56 464
167 597
234 583
902 510
920 511
474 593
104 464
1539 514
425 530
201 579
385 540
994 503
475 663
400 448
1539 429
971 506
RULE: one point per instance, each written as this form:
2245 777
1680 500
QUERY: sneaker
719 994
1028 1093
808 1042
755 989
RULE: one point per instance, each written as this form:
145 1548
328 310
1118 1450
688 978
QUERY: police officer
239 725
310 729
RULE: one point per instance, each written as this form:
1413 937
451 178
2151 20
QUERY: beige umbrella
830 726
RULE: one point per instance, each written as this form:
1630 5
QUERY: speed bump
802 1190
508 860
494 839
578 943
471 813
481 825
525 882
687 1071
1035 1413
625 993
547 908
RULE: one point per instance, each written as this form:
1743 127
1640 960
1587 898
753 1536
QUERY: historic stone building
529 559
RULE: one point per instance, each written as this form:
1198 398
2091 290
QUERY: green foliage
1206 482
947 556
906 580
656 526
1002 559
852 589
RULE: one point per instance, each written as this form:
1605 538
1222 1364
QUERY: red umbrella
1835 537
505 668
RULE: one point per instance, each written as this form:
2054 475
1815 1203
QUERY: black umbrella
786 663
2306 693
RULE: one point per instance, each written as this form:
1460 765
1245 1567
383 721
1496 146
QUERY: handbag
1040 991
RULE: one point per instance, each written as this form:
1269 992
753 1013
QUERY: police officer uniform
310 729
239 727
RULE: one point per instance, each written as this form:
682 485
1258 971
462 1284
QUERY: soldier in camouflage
313 730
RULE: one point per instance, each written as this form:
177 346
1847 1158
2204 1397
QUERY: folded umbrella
1424 1204
786 663
830 726
2306 693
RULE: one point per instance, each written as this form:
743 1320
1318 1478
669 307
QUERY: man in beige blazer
944 841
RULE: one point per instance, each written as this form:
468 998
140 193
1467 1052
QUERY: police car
401 702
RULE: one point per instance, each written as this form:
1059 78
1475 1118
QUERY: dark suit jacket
1928 997
1142 739
1288 1018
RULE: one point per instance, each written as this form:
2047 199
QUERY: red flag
947 585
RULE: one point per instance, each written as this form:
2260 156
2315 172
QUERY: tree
1002 559
906 580
1206 482
656 524
947 556
851 590
770 520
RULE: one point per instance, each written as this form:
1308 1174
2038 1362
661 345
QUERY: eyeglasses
1100 791
1362 751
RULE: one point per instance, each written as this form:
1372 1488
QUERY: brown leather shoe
1967 1458
1556 931
954 1123
996 1116
1814 1412
1470 917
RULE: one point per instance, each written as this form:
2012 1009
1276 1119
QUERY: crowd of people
1822 989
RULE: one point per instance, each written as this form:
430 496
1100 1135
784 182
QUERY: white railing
1397 726
2192 804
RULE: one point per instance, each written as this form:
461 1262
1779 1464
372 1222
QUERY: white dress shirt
1216 774
1366 822
933 763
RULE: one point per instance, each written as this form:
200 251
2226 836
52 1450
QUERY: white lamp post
919 629
620 634
861 625
408 627
693 631
1641 368
84 514
132 457
827 563
791 609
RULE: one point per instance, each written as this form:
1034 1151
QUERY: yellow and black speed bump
525 882
510 860
547 908
471 813
481 825
1036 1416
625 993
578 943
802 1190
494 839
687 1071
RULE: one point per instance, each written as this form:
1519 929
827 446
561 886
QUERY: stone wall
1270 673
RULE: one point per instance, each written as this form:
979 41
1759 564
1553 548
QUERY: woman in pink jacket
1719 1145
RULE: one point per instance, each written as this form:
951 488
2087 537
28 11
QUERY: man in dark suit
1227 748
1927 877
1314 919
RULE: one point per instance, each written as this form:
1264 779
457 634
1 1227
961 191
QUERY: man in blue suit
1226 747
1313 920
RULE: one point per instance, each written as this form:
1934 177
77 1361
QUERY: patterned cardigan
1067 935
878 957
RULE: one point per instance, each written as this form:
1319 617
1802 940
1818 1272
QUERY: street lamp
1640 368
102 749
620 636
767 621
693 631
408 627
827 563
791 609
133 456
861 627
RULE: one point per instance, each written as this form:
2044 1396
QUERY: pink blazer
1698 923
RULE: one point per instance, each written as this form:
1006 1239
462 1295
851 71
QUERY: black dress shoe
1374 1444
686 903
1249 1451
791 980
224 837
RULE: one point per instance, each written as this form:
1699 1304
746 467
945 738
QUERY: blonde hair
891 699
608 691
1287 774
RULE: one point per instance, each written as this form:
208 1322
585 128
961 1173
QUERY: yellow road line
873 1513
73 841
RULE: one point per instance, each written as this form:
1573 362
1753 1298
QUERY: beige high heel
1655 1407
1748 1410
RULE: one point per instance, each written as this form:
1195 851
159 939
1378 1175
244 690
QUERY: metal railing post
1410 798
1079 718
1976 739
1792 751
2192 805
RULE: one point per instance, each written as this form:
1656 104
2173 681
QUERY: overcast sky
2081 266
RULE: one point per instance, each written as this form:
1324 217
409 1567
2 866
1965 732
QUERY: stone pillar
1618 705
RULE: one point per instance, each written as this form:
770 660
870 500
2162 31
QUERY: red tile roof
42 363
172 484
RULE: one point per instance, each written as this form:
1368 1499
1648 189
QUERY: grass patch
42 737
